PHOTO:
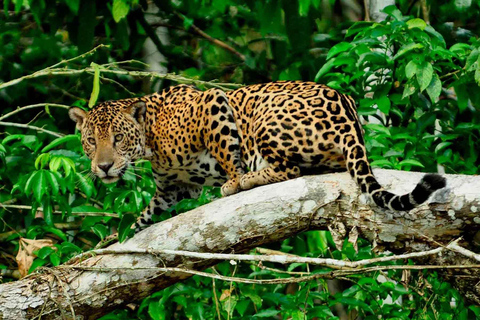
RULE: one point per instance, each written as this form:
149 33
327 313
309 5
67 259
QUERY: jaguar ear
137 110
77 115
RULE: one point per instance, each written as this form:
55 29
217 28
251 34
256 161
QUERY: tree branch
27 126
107 69
216 42
252 218
38 105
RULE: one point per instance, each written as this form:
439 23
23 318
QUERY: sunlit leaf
338 48
96 83
434 88
424 75
120 9
411 162
416 23
410 69
407 48
59 141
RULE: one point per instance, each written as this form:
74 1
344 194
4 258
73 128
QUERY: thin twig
44 72
216 42
38 105
27 126
79 214
74 225
69 72
326 275
283 259
470 254
83 55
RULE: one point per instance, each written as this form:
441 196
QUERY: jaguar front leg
164 198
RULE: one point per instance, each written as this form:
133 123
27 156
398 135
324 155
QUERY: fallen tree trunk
244 221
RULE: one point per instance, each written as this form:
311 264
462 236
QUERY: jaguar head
113 135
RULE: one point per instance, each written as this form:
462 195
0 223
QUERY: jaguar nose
105 167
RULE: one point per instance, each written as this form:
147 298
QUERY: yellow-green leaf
96 85
416 23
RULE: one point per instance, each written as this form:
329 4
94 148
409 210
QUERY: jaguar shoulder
278 130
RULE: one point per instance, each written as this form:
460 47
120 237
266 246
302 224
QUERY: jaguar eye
118 137
91 141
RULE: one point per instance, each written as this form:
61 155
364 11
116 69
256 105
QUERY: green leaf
242 306
47 212
30 182
410 69
351 291
303 7
378 128
12 138
229 304
52 181
324 69
18 6
358 27
5 5
477 72
416 23
54 164
460 48
40 186
434 88
187 22
37 263
411 162
269 313
42 161
408 90
100 230
436 35
59 141
55 259
74 5
472 58
382 164
338 48
256 299
120 9
124 227
96 85
383 104
85 185
407 48
354 302
59 233
462 96
442 146
393 11
44 252
321 311
424 75
156 310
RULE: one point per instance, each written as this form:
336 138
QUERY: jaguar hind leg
274 173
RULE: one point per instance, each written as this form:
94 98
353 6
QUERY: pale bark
241 222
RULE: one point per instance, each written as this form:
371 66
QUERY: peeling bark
249 219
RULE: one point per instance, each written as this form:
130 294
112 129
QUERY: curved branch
244 221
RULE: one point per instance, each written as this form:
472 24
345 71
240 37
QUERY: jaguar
237 140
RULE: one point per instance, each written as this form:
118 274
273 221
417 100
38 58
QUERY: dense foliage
415 81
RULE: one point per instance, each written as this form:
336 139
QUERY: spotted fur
275 131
